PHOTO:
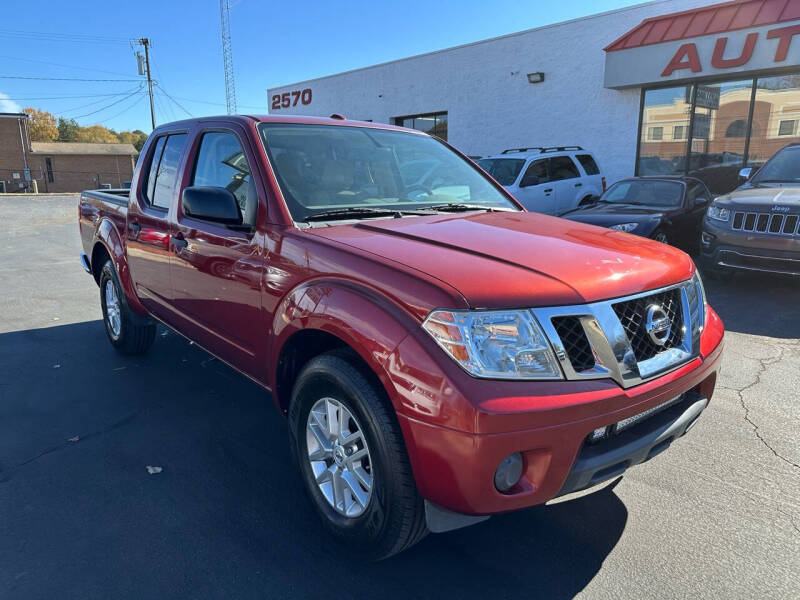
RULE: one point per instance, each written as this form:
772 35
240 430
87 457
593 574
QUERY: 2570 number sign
288 99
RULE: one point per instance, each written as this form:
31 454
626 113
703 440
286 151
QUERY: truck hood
763 197
519 259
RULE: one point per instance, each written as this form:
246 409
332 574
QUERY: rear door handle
548 190
579 184
135 229
178 242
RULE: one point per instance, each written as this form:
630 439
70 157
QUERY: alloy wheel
113 309
339 457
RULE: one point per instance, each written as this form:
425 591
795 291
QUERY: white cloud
8 106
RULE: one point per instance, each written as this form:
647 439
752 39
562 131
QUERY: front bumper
724 248
454 469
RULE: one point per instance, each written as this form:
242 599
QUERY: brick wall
11 151
74 173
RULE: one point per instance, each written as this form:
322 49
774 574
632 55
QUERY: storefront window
719 132
665 122
434 123
776 113
731 124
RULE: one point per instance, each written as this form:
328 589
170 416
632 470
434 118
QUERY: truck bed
94 207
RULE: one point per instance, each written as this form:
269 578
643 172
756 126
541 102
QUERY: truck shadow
757 304
83 517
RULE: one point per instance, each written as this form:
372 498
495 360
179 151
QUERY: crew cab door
536 192
217 269
149 224
689 224
566 180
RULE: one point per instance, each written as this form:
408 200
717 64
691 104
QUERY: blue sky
273 44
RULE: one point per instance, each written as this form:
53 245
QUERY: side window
538 168
695 190
221 162
588 164
151 172
167 171
562 167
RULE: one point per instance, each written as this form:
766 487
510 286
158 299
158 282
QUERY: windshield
648 193
325 168
504 170
783 167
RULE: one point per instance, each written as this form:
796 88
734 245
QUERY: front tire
349 450
659 235
128 332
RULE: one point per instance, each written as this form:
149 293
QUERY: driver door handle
579 184
548 190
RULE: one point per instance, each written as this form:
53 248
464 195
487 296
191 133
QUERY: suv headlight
718 213
628 227
504 344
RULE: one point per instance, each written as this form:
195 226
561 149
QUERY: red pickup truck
441 354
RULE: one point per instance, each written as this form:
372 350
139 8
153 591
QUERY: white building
712 73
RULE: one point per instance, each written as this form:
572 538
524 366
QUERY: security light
537 77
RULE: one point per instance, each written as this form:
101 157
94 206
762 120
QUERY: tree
97 134
42 125
135 137
67 130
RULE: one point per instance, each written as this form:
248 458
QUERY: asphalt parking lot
81 516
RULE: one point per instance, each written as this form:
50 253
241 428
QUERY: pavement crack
791 519
763 363
6 475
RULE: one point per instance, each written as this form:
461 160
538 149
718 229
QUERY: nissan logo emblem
657 325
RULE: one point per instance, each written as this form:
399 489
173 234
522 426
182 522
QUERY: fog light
706 239
508 472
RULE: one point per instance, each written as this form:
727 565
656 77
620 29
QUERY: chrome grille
633 313
775 223
576 344
607 339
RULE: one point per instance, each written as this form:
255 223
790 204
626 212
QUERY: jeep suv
757 226
547 180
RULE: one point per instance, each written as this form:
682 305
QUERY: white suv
547 180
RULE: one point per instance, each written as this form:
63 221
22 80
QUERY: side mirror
528 181
215 204
745 174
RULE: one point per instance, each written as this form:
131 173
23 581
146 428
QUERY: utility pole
146 43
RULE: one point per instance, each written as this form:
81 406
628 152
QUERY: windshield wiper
459 207
355 212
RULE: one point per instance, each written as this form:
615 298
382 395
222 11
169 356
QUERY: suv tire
128 332
390 515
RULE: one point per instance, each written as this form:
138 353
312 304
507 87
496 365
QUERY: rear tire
390 515
128 332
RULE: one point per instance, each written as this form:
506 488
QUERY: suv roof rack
561 148
515 150
541 149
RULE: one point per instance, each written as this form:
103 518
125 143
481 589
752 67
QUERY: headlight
625 227
507 344
697 301
718 213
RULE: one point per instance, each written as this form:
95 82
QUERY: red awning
717 18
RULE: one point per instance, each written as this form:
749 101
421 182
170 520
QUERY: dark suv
757 226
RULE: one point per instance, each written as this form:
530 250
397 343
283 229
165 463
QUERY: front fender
362 317
108 235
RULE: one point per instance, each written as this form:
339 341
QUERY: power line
217 103
18 98
109 105
62 37
63 78
123 111
178 104
74 108
54 64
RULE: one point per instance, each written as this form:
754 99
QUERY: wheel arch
326 315
109 244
